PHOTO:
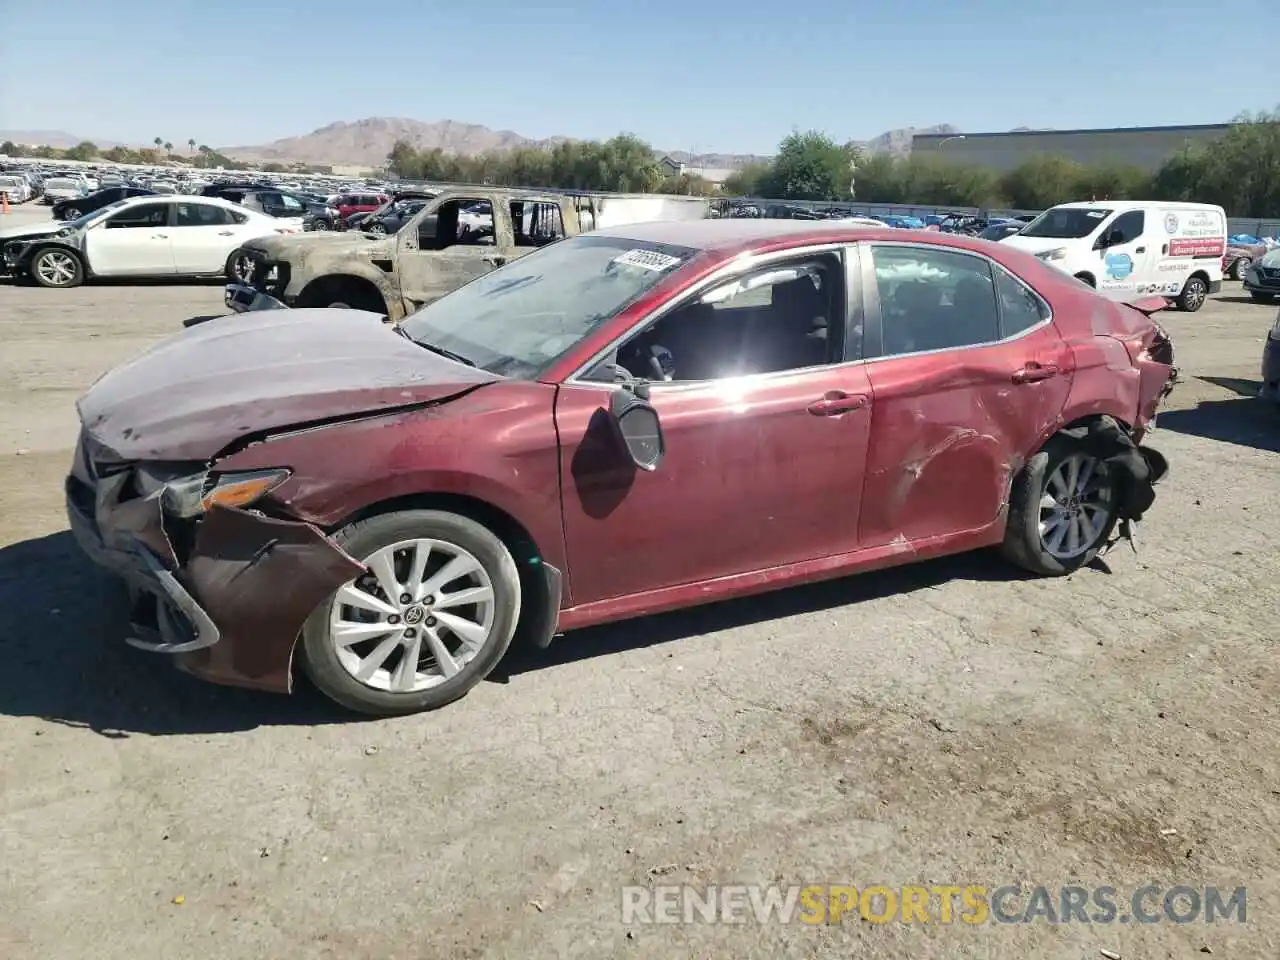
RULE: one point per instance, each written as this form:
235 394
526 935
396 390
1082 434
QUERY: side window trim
726 272
875 318
732 272
1046 311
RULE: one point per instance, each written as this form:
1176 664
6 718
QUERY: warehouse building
1145 147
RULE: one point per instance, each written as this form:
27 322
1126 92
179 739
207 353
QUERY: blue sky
716 75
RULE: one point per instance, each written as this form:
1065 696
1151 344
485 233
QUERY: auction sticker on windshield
647 260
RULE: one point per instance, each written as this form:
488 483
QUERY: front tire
240 267
1238 267
57 268
71 213
1060 518
394 640
1194 293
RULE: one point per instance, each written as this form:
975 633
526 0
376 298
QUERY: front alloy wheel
56 268
430 617
71 213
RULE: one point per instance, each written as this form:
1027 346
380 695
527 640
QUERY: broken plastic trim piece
206 631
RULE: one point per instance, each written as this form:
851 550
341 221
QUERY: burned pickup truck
460 235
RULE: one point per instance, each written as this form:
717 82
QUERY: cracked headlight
193 494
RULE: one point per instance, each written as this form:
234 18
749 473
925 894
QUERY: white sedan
138 237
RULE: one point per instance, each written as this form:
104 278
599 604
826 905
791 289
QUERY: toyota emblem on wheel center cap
413 615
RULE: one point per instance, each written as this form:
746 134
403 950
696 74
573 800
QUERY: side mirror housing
638 426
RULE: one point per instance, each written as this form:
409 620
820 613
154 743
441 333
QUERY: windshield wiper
447 354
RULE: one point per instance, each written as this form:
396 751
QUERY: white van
1128 249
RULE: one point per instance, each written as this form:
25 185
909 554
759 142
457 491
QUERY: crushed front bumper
242 298
226 595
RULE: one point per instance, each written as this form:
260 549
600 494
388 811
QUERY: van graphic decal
1119 266
1171 224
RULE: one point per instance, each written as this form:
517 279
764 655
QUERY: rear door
203 237
135 241
968 376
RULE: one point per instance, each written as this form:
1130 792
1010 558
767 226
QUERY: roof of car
732 235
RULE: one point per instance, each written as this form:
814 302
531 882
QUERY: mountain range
366 143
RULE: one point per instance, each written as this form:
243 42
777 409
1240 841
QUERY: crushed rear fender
258 579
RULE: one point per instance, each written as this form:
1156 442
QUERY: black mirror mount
638 425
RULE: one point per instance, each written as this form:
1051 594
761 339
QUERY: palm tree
192 144
159 142
168 147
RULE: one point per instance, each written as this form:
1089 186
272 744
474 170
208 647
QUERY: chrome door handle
226 233
836 403
159 236
1035 372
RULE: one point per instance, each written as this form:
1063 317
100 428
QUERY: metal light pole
945 140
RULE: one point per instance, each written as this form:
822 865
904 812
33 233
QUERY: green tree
191 144
1240 171
1042 181
9 148
82 151
168 148
747 181
159 142
809 166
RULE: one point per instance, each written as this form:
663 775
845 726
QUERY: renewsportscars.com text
934 904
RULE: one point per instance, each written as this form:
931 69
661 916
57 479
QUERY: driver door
762 469
136 241
436 255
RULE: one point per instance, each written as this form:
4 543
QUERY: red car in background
632 420
348 203
1239 256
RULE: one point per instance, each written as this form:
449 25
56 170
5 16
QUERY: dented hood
190 396
291 247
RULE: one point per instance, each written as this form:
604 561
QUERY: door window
1127 227
146 215
460 222
933 299
202 215
1020 307
292 207
536 223
786 316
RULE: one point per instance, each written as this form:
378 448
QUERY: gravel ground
946 723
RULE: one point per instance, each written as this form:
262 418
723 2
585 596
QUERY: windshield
1065 223
1271 258
519 319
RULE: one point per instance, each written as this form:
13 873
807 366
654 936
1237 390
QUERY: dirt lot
948 723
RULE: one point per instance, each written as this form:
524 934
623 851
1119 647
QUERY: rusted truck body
462 234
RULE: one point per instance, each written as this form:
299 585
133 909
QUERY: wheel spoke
406 675
413 583
1073 475
455 568
444 659
373 662
463 597
347 633
1073 534
1086 475
382 565
353 596
1054 540
470 633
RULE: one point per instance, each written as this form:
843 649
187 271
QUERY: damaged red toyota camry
624 422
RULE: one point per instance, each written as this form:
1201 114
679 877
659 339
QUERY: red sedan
625 422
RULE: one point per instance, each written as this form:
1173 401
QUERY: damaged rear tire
1062 508
432 616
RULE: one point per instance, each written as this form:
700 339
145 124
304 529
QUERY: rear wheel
1059 522
1194 293
71 213
1238 268
431 617
1086 279
55 267
240 267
